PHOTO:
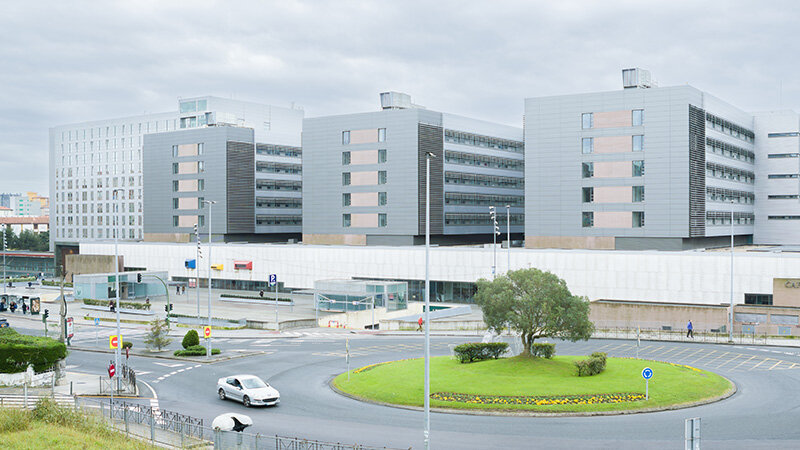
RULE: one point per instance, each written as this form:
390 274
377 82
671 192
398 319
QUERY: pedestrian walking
689 330
261 293
183 289
177 290
420 322
24 308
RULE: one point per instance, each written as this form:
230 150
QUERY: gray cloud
63 62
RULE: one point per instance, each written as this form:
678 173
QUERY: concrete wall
91 263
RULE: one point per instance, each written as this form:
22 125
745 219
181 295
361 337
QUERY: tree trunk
526 344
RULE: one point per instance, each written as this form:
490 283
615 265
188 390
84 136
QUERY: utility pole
508 235
62 337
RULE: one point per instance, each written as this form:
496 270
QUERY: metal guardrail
661 334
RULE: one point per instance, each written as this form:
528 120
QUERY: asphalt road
764 413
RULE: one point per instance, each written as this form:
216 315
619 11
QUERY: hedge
196 350
543 350
191 339
250 297
122 304
20 350
55 283
18 279
476 351
593 365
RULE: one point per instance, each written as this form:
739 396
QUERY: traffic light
493 215
138 277
168 308
46 314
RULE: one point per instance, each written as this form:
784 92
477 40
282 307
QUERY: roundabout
534 386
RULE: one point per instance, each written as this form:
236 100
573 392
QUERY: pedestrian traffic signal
168 307
138 277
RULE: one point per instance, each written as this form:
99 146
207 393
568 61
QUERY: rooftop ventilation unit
397 100
636 78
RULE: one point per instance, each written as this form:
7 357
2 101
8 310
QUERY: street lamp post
495 233
427 305
4 260
116 283
508 235
730 313
208 339
197 270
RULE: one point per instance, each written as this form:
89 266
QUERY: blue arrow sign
273 279
647 373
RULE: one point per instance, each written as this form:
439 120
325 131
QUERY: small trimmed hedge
593 365
55 283
543 350
476 351
196 350
20 350
190 339
256 297
122 304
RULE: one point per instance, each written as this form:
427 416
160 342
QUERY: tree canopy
535 304
27 240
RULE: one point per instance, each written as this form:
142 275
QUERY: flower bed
538 400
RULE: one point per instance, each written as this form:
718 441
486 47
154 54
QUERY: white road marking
168 364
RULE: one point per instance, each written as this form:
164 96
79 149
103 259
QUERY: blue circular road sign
647 373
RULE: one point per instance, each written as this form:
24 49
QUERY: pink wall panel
364 220
187 150
363 136
187 203
364 199
613 144
610 119
364 178
187 221
613 219
613 194
364 157
187 167
187 185
615 169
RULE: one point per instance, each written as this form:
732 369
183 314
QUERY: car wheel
222 394
246 401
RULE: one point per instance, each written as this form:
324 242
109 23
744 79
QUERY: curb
173 358
505 413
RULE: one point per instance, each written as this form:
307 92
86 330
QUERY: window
758 299
638 193
345 158
174 151
201 185
588 194
789 134
588 219
638 219
638 143
175 186
201 167
345 137
201 221
174 203
346 199
186 107
587 120
201 105
381 198
783 155
382 155
174 221
200 145
174 168
346 179
638 168
381 134
382 220
346 220
783 196
637 117
588 169
587 145
200 201
782 175
381 177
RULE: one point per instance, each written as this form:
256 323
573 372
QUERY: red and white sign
207 332
111 370
70 327
113 341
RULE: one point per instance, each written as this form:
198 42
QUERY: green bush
19 350
127 344
122 304
190 339
476 351
196 350
543 350
594 364
55 283
47 410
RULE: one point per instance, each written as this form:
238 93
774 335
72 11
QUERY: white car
248 389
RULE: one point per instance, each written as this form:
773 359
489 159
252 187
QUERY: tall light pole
116 282
208 340
197 269
495 233
427 305
508 235
4 260
730 314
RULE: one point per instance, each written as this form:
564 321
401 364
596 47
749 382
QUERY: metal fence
664 334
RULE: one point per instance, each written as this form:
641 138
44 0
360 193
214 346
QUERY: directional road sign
647 373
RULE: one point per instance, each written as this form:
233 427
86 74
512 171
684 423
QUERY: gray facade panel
240 185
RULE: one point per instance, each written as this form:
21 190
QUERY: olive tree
535 304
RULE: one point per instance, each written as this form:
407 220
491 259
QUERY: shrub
190 339
14 420
196 350
20 350
158 335
594 364
476 351
47 410
543 350
122 304
127 344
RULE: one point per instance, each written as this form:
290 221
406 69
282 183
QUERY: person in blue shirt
689 330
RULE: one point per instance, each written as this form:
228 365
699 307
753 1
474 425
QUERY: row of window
466 199
195 121
381 157
200 148
783 155
476 140
279 150
201 221
495 162
780 176
456 219
278 202
111 130
176 203
637 194
271 167
201 167
346 176
783 197
788 134
279 185
101 157
278 220
382 220
470 179
587 219
783 217
716 194
73 233
730 128
89 220
90 208
201 185
637 144
637 169
190 106
730 173
347 196
381 136
729 151
724 218
637 119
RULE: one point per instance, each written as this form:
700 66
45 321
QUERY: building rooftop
25 220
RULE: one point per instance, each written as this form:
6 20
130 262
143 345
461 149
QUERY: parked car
248 389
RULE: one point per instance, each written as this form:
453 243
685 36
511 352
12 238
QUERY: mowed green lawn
401 382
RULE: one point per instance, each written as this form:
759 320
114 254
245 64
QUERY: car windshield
253 383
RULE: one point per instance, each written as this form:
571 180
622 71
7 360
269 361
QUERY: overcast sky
71 61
